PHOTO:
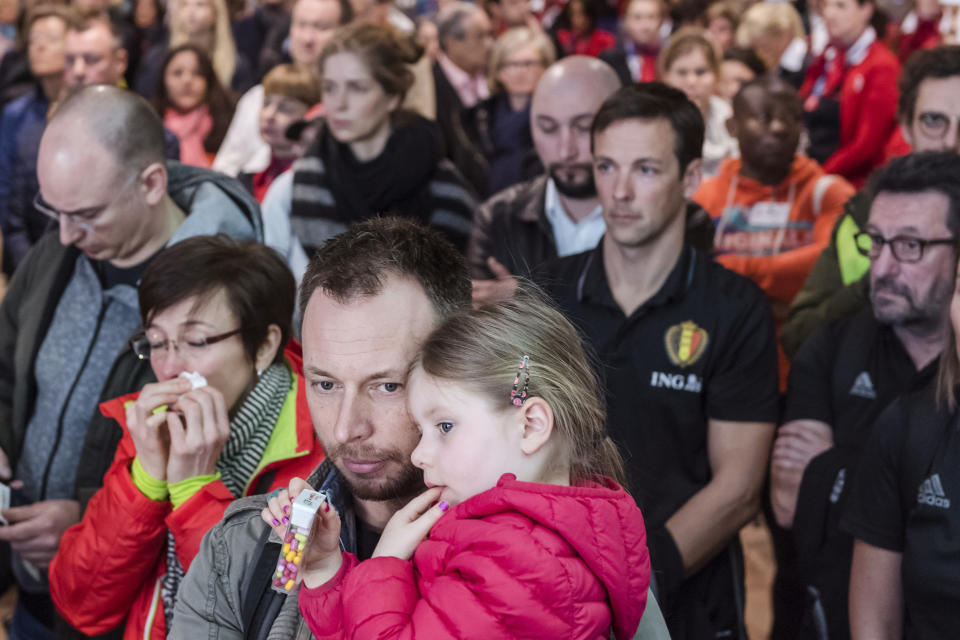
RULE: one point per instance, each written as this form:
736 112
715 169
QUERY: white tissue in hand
196 380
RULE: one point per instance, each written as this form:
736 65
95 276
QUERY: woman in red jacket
578 33
850 93
528 534
228 418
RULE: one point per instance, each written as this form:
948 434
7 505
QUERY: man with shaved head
72 306
558 213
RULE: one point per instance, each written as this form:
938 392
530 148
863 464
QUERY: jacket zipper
66 402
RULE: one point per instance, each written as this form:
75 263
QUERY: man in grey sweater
72 306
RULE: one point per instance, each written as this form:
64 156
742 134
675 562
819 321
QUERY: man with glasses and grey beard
72 305
929 115
846 373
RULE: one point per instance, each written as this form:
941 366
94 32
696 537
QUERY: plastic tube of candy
305 507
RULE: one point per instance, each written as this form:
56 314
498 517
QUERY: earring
259 372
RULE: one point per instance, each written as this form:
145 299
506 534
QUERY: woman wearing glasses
220 310
499 127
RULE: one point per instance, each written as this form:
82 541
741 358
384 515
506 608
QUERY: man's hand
798 442
148 427
501 287
197 440
35 529
410 525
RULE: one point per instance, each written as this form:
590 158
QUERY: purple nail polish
443 506
284 519
276 522
286 509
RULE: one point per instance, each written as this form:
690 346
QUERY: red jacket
868 113
108 567
519 560
575 44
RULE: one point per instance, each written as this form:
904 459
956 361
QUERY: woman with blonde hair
206 24
499 127
775 32
690 62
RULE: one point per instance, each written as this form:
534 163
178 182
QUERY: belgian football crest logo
685 343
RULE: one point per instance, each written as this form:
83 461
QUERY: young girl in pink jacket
522 531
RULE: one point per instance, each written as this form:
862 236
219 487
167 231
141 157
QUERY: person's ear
692 177
907 133
154 181
536 418
268 349
122 59
395 103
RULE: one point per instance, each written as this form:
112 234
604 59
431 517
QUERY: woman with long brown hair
369 156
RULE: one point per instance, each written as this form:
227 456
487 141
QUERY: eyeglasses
521 64
83 218
935 124
188 346
904 248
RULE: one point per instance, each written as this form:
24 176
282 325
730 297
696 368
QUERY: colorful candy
291 554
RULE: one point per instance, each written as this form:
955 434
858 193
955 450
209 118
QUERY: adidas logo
863 387
838 486
931 493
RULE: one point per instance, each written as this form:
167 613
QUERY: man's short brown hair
357 262
87 18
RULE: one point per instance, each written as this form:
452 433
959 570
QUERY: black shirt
845 374
701 348
904 499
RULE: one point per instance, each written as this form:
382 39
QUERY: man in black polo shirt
688 354
849 371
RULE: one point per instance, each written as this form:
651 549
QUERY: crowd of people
549 298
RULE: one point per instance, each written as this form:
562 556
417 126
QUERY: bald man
557 214
72 305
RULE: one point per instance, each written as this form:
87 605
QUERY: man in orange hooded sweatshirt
773 208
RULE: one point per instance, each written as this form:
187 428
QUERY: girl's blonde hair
224 53
509 42
483 348
684 41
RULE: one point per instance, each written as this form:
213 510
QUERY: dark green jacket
837 286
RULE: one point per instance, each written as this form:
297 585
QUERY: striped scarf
250 431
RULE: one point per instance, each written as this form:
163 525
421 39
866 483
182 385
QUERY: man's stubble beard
581 191
407 483
925 318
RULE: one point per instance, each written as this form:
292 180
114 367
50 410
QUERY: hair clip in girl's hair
519 393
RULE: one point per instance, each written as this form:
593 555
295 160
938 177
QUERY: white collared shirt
572 237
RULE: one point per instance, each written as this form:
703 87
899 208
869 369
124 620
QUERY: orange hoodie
776 243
